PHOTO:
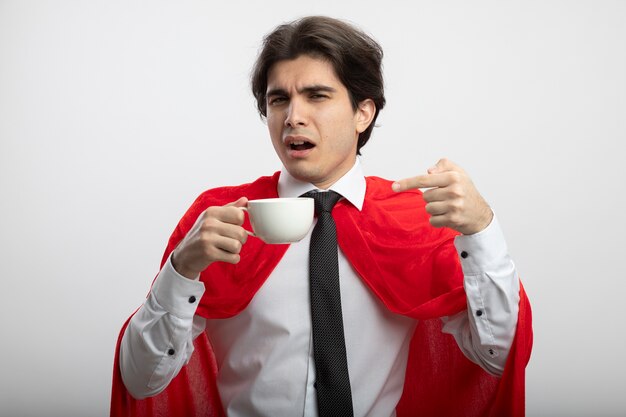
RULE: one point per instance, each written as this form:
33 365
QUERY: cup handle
245 209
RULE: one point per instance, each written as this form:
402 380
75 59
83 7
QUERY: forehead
302 71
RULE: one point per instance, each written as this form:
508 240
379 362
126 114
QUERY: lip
297 154
289 139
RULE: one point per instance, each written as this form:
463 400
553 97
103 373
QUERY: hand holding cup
217 235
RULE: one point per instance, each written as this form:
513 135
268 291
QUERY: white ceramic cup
281 220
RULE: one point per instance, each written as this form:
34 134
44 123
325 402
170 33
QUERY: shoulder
396 216
379 193
263 187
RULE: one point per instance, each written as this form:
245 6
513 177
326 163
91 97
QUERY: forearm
158 341
485 332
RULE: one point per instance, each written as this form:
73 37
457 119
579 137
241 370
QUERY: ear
365 114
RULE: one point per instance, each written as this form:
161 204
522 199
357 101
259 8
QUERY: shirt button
192 299
464 254
171 352
479 313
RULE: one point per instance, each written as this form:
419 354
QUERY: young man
432 317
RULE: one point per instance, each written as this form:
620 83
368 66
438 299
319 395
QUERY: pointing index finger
420 181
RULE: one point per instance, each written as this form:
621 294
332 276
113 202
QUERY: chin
303 173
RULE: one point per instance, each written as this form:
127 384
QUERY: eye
275 100
318 96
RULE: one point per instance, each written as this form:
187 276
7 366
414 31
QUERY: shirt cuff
177 295
480 251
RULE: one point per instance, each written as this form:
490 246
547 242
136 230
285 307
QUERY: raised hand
452 199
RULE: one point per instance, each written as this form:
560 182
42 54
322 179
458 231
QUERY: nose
295 115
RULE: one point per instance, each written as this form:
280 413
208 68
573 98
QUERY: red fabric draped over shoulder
415 270
412 267
229 288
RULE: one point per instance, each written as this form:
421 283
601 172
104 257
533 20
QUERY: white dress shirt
265 353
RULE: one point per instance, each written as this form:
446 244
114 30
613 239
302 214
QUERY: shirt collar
351 186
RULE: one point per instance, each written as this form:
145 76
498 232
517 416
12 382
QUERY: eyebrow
315 88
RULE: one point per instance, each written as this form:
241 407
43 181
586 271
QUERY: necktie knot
324 201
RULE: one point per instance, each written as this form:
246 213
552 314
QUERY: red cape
411 266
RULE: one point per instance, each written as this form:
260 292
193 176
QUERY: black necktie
334 397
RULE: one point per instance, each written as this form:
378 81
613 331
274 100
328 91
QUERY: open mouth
300 145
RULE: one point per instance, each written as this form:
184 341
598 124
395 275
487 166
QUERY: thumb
435 168
442 165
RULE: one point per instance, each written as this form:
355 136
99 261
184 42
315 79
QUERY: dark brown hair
355 56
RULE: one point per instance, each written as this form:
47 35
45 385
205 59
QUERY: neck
328 182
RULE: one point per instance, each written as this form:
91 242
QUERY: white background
115 114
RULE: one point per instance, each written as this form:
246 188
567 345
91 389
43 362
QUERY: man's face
313 127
